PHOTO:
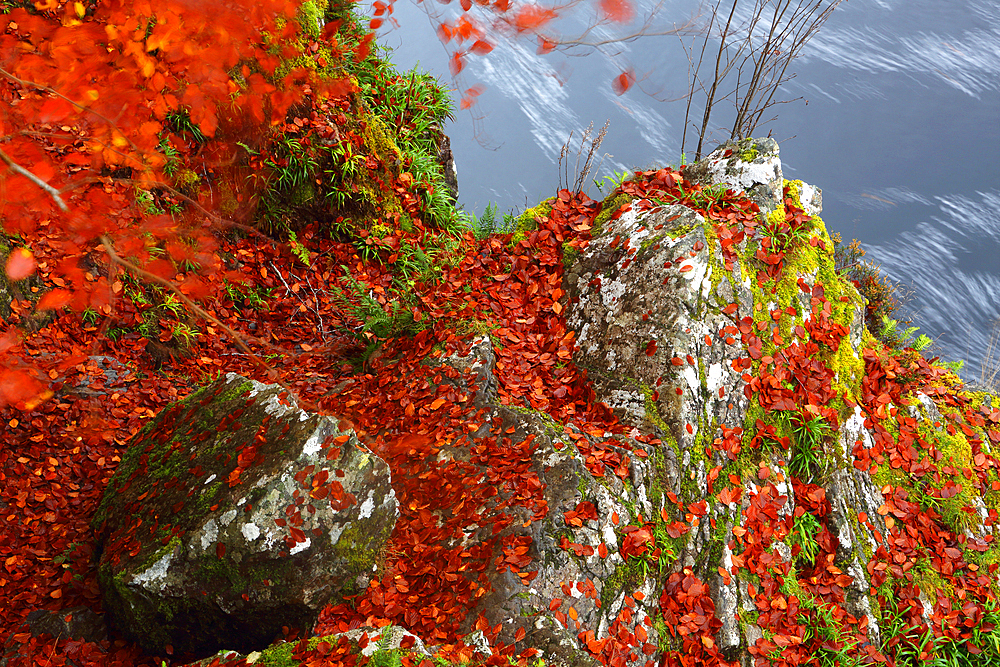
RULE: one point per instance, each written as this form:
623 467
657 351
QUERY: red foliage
619 11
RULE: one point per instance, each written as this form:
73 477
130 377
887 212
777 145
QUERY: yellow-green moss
609 206
527 223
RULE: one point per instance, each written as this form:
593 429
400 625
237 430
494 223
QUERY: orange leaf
438 402
532 17
623 82
545 46
54 299
455 64
619 11
20 264
481 47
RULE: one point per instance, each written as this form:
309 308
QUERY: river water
899 125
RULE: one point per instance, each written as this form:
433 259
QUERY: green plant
488 223
185 333
172 304
835 649
298 249
291 164
179 122
372 315
89 316
614 181
923 647
805 527
808 436
890 334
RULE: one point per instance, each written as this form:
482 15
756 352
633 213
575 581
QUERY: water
899 125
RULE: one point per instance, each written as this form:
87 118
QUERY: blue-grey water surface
899 126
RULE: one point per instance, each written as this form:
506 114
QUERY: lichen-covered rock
750 165
571 537
234 513
664 328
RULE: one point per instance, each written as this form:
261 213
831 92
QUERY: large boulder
234 513
664 320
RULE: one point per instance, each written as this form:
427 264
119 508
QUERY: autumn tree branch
272 373
760 60
18 169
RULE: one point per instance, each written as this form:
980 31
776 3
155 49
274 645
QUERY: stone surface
446 159
751 165
234 513
650 300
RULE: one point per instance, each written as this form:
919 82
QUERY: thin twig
195 308
18 169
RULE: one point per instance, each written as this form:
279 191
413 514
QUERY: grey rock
234 513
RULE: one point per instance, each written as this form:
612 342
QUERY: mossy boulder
234 513
749 165
663 321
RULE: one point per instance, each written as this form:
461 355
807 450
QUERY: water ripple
957 304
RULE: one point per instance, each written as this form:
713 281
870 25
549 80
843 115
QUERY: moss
569 255
353 547
930 583
628 576
609 207
526 222
378 139
652 240
553 429
653 415
310 17
169 462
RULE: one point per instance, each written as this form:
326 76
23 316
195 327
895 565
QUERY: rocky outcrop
746 508
446 160
235 513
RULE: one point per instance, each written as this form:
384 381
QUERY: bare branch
194 307
759 59
18 169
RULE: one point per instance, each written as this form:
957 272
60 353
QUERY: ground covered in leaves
300 311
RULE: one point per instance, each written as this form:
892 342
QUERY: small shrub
882 296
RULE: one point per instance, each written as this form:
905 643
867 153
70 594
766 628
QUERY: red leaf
20 264
455 64
466 5
623 82
650 348
532 17
620 11
545 46
730 494
54 299
220 549
481 47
